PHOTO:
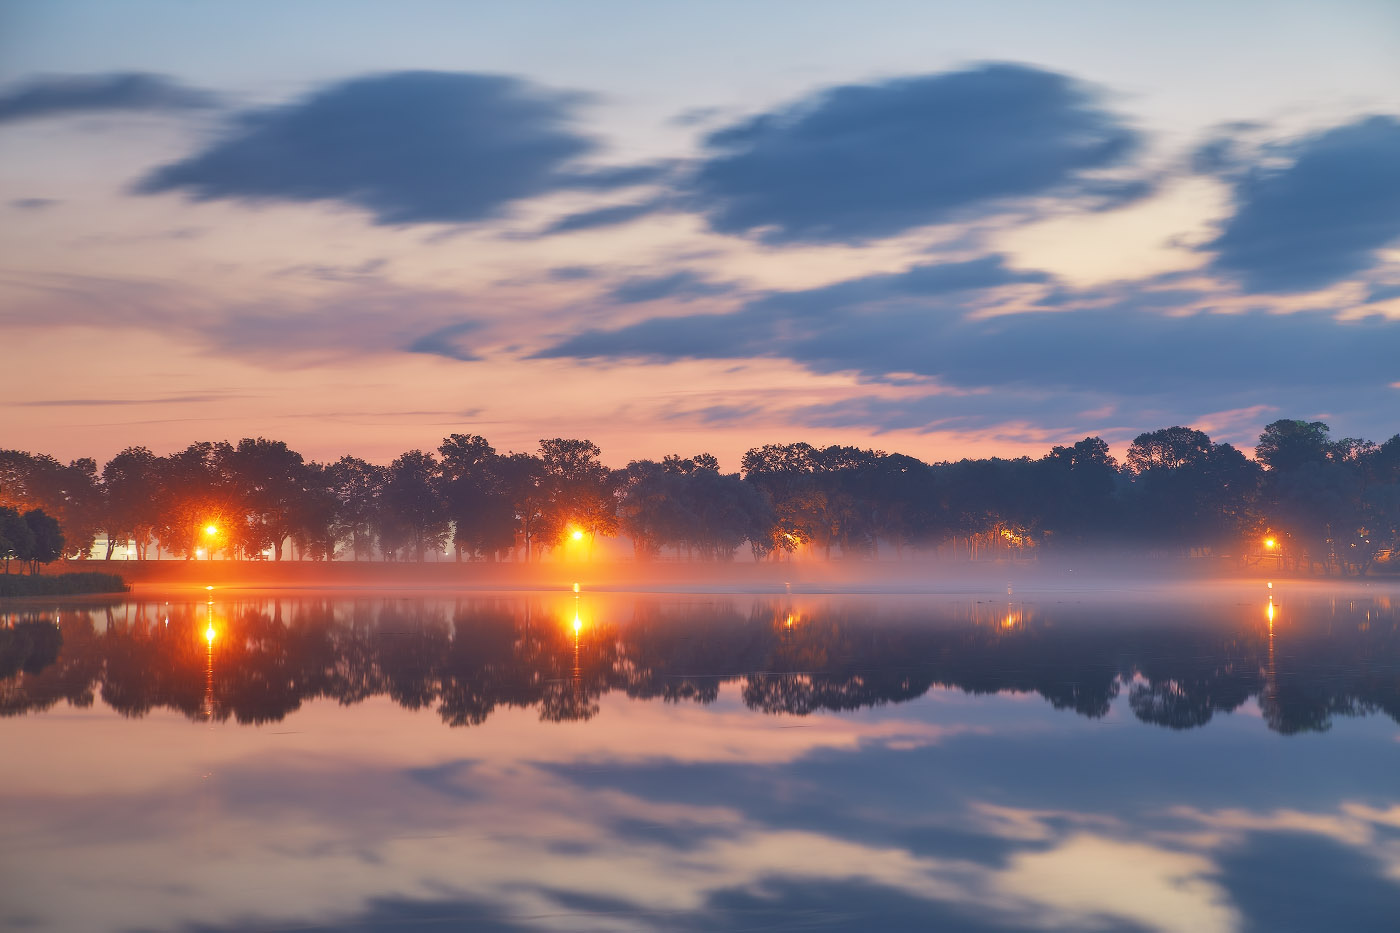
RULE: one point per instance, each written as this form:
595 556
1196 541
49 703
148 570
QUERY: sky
945 229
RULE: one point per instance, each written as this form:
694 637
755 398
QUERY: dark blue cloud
1119 347
62 95
682 285
409 147
572 273
442 342
1383 293
764 325
1319 219
863 161
1127 352
33 204
600 217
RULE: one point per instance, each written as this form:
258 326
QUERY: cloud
1318 219
62 95
369 269
105 402
1117 347
683 285
33 204
572 273
1383 293
767 324
859 162
408 147
356 317
1139 350
601 217
441 342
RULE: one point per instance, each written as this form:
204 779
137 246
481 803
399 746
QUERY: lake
1193 758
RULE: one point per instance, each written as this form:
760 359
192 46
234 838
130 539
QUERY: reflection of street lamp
211 531
209 633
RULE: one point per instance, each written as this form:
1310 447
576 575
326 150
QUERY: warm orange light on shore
211 530
1270 543
577 535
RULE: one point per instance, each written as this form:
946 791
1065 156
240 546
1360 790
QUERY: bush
63 584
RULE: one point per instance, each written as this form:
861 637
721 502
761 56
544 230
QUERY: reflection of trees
468 659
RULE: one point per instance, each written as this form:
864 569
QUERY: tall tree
1168 449
1078 483
267 480
473 491
522 478
412 515
579 487
131 482
1286 445
16 537
1190 492
46 539
195 496
356 486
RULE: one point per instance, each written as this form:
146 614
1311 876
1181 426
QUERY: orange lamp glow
1270 543
211 529
209 633
577 535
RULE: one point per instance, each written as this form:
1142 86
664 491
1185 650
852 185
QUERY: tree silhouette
411 515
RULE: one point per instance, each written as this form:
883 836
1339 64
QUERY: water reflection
778 763
255 659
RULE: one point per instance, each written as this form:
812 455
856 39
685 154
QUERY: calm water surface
1183 759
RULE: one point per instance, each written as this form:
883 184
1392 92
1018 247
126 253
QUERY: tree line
1321 502
470 660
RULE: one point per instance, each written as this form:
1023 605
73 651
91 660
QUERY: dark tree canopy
1326 504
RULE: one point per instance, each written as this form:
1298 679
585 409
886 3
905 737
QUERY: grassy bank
62 584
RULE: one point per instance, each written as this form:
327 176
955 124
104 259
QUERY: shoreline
1093 572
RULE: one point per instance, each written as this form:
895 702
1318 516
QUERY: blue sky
945 229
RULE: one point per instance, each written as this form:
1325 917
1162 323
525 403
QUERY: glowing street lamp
211 531
577 534
1270 543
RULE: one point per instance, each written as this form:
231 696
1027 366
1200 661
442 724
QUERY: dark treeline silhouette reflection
257 660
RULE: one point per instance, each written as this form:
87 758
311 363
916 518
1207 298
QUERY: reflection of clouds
1353 824
519 837
233 828
1090 876
1032 825
629 732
